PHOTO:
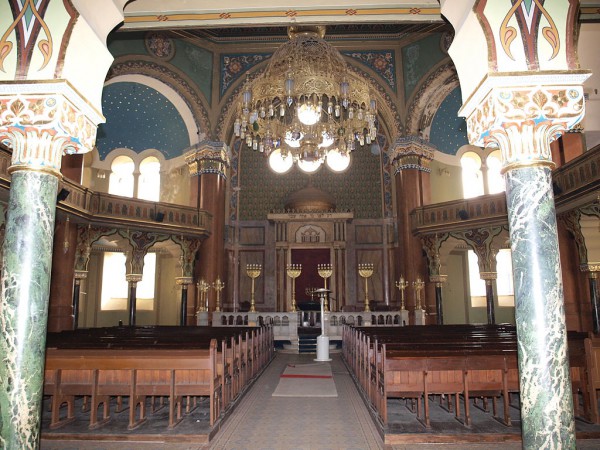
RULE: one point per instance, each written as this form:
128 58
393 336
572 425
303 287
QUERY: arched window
495 180
121 180
472 177
481 174
131 177
149 181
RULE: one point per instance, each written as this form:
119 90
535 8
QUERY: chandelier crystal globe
307 107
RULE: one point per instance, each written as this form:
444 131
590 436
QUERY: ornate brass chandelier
307 107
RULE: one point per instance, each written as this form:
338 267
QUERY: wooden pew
176 363
137 374
467 361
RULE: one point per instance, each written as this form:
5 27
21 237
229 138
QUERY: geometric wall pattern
357 189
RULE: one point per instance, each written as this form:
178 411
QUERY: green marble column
546 397
24 305
46 121
521 116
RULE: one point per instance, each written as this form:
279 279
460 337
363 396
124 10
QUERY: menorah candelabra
253 271
418 287
402 285
203 288
366 271
294 271
310 291
325 271
218 286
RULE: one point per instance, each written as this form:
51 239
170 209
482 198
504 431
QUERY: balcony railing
575 183
486 210
112 210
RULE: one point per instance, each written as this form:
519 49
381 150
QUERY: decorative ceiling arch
173 78
428 98
173 96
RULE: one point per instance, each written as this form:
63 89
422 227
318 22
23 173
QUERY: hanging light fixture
307 107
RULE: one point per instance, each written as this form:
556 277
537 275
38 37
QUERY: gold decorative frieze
302 216
208 157
412 152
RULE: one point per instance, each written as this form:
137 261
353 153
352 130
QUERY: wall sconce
444 171
101 174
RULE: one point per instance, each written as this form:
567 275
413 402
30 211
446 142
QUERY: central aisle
262 421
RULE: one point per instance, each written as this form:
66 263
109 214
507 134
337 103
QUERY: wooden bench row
219 369
422 361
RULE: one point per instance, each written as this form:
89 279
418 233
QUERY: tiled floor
265 422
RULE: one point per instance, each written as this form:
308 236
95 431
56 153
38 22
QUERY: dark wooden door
309 278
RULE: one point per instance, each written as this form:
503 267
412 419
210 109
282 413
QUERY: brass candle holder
366 271
253 271
418 287
218 286
294 271
402 285
325 271
203 288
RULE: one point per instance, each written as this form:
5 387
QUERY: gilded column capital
412 152
521 114
43 121
438 279
208 157
592 268
133 277
183 281
488 276
81 274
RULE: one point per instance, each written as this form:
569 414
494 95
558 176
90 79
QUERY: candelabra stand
203 287
253 271
311 292
218 286
294 271
402 285
418 287
325 271
366 271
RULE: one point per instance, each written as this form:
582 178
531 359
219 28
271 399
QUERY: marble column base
202 318
404 320
419 317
